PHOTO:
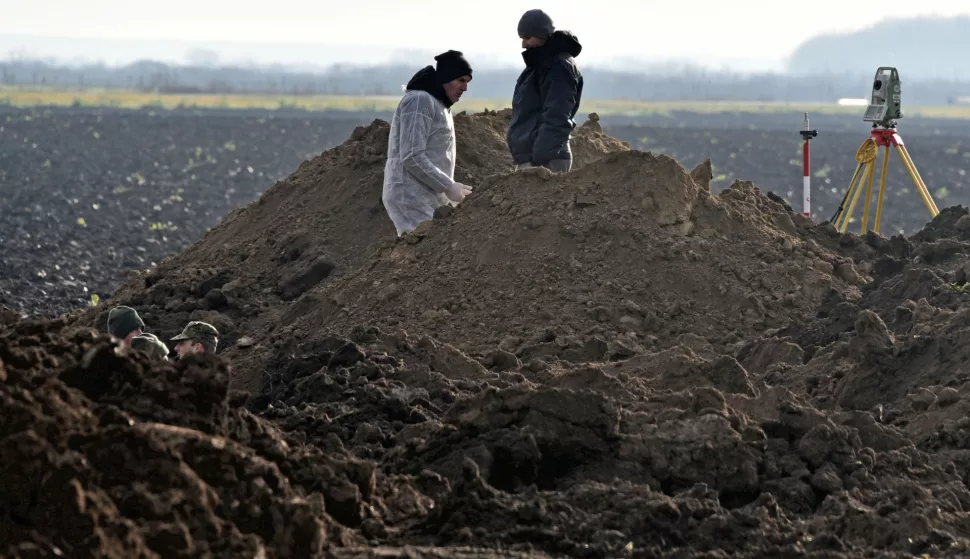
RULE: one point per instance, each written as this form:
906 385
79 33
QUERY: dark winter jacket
546 98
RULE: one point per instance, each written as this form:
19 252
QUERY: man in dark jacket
547 96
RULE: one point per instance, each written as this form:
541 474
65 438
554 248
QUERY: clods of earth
615 362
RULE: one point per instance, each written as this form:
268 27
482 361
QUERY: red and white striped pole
807 135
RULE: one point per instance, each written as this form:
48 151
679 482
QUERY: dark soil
89 195
382 444
617 362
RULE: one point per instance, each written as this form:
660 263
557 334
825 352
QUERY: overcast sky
745 33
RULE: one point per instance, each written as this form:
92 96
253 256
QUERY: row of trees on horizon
684 83
928 51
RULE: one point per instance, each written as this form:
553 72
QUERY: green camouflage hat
123 320
151 344
198 330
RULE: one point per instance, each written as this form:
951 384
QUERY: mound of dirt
108 454
321 223
905 339
613 362
629 254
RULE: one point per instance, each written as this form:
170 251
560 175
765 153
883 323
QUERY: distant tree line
683 84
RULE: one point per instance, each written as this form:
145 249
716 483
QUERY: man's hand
457 192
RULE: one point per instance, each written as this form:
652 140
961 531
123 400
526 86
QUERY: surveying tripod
883 112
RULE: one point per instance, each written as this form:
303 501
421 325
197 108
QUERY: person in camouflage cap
150 343
196 337
124 323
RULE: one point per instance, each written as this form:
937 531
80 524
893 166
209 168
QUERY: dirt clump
616 259
320 223
110 454
893 360
904 339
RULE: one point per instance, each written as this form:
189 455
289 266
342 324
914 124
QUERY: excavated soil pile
900 351
322 222
109 454
610 363
627 255
385 445
667 453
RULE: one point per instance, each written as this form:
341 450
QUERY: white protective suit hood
420 164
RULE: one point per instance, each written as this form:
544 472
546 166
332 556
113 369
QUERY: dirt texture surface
630 254
615 362
90 194
248 274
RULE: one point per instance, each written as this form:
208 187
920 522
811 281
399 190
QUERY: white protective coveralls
420 160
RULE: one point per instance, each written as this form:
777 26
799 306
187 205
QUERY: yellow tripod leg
865 211
918 181
865 155
882 188
855 197
848 196
922 184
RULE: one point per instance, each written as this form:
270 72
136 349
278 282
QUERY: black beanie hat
123 320
451 65
536 23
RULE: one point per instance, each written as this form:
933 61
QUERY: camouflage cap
123 320
198 330
151 344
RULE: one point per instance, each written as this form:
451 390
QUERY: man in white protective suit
420 169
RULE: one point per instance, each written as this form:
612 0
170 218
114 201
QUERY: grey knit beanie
536 23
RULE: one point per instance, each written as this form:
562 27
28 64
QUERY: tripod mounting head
884 107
